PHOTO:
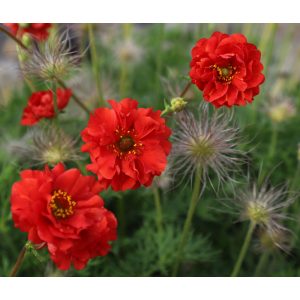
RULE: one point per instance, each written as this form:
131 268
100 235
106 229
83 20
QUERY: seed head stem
185 90
188 221
243 251
74 96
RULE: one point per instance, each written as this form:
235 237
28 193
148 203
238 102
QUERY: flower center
202 149
258 213
126 143
225 74
61 204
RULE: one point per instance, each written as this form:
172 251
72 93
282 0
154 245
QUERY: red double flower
40 105
62 210
227 69
39 31
128 145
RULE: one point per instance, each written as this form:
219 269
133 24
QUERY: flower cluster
62 210
128 145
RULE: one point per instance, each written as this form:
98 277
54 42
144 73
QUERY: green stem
266 46
261 264
124 83
243 251
18 263
159 215
95 64
188 221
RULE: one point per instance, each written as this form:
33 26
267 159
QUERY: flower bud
26 39
178 104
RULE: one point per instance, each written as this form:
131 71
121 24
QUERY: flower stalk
10 35
185 90
74 96
244 250
188 221
261 264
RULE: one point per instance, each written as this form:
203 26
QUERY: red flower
62 209
128 146
227 69
40 105
39 31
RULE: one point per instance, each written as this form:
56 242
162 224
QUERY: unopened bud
178 104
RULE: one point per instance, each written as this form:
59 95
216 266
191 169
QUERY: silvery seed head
48 145
274 240
129 51
280 109
264 205
55 58
206 141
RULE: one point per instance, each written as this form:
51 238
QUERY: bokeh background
150 63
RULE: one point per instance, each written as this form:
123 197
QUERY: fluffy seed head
264 205
272 240
49 145
206 141
280 110
129 51
55 58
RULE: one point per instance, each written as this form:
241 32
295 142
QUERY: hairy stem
10 35
185 90
243 251
188 221
18 263
74 96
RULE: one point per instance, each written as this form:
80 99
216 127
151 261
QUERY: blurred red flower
39 31
40 105
227 69
62 209
128 145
